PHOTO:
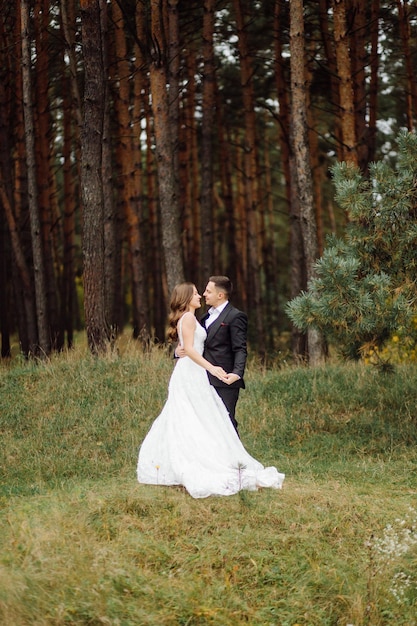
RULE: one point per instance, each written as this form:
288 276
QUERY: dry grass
84 544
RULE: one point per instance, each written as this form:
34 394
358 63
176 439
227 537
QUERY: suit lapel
213 328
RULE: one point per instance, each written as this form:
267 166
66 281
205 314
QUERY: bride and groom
194 441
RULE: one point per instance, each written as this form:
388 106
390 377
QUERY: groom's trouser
229 395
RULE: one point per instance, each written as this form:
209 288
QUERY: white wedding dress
193 442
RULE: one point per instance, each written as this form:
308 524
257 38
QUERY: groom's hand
179 352
231 378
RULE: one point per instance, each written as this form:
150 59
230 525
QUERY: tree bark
411 93
189 176
344 71
302 159
328 43
373 82
46 186
165 163
359 58
252 204
91 179
209 107
44 346
129 185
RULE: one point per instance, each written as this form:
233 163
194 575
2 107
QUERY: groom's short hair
222 283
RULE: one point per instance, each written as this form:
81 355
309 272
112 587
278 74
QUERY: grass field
83 544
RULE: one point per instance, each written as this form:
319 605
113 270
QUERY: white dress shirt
214 313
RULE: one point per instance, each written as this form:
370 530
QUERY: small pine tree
365 286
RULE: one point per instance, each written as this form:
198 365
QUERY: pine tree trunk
68 21
359 54
296 257
172 28
165 164
252 203
24 292
324 10
302 158
373 81
239 213
208 105
344 71
68 297
298 271
158 287
112 213
44 342
129 185
191 215
411 93
283 100
231 262
157 299
72 121
45 178
91 178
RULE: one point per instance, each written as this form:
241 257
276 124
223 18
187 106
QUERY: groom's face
211 294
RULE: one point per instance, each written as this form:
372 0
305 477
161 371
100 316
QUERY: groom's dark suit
226 346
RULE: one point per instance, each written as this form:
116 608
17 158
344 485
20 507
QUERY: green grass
83 544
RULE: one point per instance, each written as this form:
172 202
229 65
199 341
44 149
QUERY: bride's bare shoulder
187 318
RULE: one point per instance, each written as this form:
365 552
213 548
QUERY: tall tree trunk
165 163
68 297
239 219
68 20
298 270
46 187
297 260
373 82
145 175
208 105
302 158
344 71
158 284
411 93
283 98
232 263
253 206
72 122
24 293
128 192
191 214
91 178
172 28
328 41
44 346
359 59
272 296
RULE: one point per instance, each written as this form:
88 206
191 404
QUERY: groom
226 341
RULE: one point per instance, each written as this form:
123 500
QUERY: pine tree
365 286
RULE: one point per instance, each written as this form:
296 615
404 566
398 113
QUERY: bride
193 442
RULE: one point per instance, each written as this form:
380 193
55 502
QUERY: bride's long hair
181 297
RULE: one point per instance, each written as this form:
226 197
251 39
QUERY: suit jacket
226 344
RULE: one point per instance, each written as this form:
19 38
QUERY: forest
147 142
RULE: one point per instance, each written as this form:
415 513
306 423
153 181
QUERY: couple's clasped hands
215 370
222 375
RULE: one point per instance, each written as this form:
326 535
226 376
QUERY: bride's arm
188 329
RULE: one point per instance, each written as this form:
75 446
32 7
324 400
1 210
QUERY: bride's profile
193 442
